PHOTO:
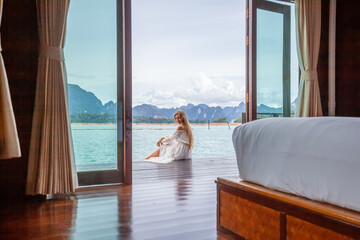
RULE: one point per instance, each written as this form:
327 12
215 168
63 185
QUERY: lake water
96 144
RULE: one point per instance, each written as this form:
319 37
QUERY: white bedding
318 158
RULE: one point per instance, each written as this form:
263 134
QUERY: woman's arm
171 137
159 142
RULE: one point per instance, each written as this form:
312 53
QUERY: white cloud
203 90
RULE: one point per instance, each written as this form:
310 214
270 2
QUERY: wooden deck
173 201
144 172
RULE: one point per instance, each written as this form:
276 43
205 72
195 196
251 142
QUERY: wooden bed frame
250 211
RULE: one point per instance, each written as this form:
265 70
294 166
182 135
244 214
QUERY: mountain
233 113
82 101
149 110
110 107
204 112
262 108
198 112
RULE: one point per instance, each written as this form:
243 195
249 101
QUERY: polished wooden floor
174 201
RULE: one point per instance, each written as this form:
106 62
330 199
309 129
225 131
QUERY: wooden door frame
126 81
123 172
251 6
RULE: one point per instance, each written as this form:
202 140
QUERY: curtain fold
308 29
9 141
51 166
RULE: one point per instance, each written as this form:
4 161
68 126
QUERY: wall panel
19 39
348 58
323 62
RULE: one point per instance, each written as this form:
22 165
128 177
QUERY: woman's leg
156 153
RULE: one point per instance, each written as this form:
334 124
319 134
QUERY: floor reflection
43 218
124 198
183 182
97 216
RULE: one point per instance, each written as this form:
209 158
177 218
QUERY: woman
176 146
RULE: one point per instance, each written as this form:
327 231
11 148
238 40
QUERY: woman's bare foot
156 153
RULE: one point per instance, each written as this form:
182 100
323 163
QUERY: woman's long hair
187 127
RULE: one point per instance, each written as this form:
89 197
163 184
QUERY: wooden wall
19 39
348 58
323 62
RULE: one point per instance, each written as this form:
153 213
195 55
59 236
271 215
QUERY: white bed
318 158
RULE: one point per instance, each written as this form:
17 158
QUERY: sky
90 47
188 51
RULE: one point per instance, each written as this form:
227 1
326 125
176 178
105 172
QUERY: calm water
97 143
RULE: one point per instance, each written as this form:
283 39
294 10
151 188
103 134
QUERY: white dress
173 147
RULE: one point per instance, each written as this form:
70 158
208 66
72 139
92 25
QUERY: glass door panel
269 65
273 75
96 81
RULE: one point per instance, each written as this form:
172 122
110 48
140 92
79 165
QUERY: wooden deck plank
173 201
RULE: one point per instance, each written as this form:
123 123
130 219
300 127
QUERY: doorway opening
188 55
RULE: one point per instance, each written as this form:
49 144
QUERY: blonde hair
187 127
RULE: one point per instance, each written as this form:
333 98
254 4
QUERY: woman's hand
160 141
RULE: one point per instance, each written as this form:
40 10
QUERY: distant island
85 107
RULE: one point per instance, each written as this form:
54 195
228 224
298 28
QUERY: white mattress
318 158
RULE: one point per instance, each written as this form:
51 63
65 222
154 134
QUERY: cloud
203 90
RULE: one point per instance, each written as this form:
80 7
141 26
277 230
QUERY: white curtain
9 141
308 29
51 166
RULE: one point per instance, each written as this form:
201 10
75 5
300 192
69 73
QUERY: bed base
250 211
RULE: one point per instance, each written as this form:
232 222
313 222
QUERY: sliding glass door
98 55
272 62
